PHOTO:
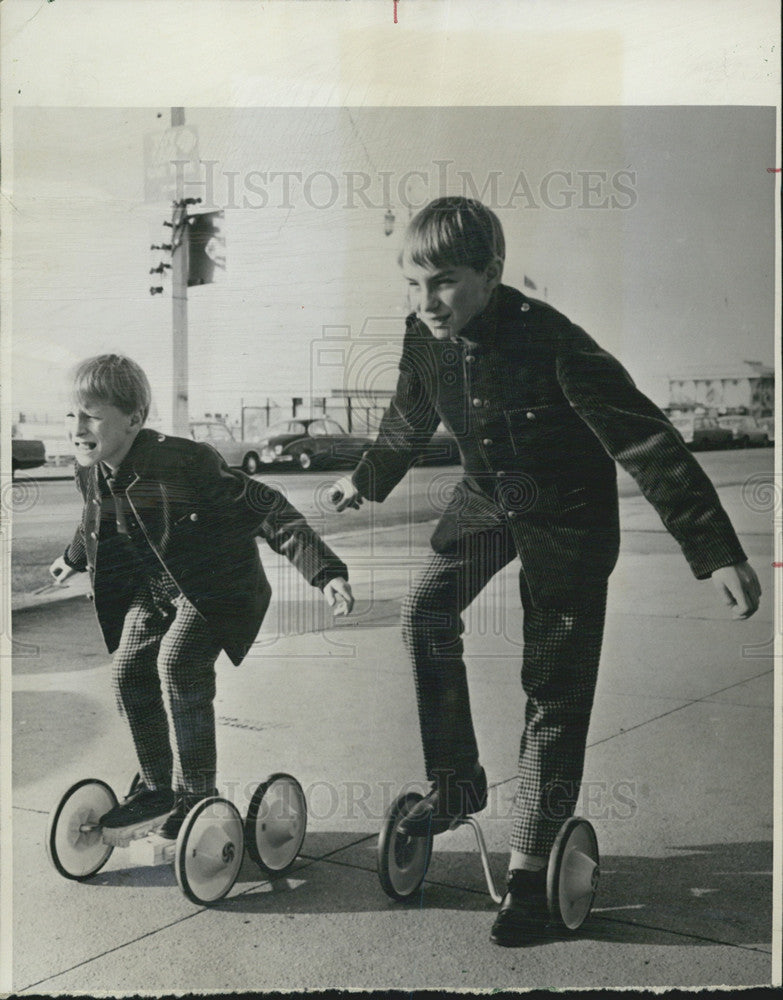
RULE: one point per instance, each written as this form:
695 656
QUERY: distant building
748 387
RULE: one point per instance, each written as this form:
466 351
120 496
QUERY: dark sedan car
27 454
748 432
702 432
314 443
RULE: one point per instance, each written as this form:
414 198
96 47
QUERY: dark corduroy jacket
197 518
541 413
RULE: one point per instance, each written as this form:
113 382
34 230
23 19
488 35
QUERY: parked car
317 442
27 453
768 423
703 432
243 455
747 431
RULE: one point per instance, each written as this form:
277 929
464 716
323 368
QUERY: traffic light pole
180 415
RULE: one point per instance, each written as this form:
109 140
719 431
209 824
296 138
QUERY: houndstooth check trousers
562 647
164 682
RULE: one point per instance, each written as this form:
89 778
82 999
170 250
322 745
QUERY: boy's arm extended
75 555
233 501
637 434
406 426
74 559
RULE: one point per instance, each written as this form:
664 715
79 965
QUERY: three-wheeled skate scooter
572 871
209 850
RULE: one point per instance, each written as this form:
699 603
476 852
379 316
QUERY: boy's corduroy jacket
200 519
541 413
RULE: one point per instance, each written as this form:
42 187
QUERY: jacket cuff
724 555
71 564
323 577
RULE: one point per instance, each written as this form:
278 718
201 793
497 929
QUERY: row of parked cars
317 443
322 443
730 431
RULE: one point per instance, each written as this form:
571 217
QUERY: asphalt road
46 508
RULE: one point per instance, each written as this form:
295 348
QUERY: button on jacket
541 413
191 515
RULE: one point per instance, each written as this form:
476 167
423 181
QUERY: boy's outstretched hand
338 595
740 588
344 494
60 570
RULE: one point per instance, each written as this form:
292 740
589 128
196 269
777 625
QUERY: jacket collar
515 310
131 467
504 317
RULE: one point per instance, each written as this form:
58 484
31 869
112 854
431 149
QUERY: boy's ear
135 419
494 271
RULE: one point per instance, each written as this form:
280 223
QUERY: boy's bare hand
344 494
338 595
740 588
60 570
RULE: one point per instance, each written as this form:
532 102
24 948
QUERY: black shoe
436 812
142 811
523 914
183 803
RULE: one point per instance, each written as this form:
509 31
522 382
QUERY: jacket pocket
535 430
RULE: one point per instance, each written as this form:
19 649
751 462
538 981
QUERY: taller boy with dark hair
168 537
541 413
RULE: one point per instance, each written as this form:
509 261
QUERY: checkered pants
164 682
559 670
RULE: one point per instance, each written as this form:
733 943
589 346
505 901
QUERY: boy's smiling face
100 432
447 298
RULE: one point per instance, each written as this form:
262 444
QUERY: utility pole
180 415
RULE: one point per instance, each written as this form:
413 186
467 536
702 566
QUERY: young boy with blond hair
168 536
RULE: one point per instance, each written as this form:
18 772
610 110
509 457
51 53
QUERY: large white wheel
209 850
402 860
74 839
276 823
572 874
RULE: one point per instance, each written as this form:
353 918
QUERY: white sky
681 276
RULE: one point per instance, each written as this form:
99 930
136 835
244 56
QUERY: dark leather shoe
143 810
523 914
450 799
183 803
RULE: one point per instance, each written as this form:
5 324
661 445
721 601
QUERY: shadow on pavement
715 893
707 894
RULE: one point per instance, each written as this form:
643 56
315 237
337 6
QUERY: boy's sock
528 862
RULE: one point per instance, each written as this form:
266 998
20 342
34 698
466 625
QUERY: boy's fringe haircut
454 231
113 379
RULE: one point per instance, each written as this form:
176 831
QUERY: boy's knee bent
422 611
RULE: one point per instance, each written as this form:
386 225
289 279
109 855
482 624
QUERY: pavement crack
329 854
679 708
683 934
114 950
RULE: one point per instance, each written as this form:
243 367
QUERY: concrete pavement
678 785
